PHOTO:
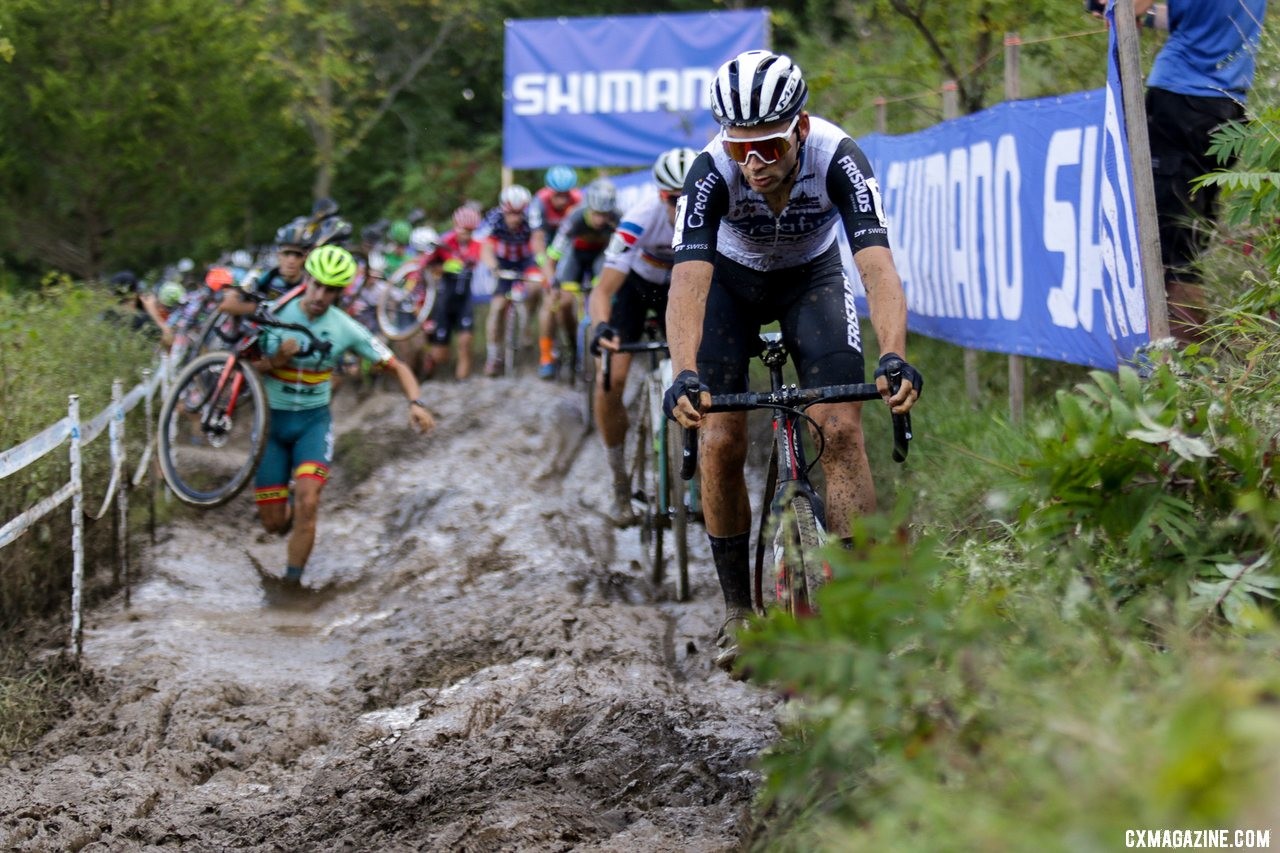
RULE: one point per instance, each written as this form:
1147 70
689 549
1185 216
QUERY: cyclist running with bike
755 242
300 438
507 248
576 256
633 284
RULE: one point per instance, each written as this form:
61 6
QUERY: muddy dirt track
479 663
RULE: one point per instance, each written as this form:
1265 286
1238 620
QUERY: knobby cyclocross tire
645 481
798 570
513 329
211 439
405 303
678 489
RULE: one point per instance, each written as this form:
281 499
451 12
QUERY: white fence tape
70 429
15 459
16 526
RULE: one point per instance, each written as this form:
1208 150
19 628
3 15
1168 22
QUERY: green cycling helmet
400 232
171 294
332 266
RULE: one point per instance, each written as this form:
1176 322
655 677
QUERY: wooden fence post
1012 92
950 110
77 527
1144 194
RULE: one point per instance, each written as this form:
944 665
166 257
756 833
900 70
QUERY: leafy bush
926 713
1159 484
55 342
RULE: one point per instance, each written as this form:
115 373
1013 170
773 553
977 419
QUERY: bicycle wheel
213 430
405 303
587 367
645 480
798 571
511 347
679 492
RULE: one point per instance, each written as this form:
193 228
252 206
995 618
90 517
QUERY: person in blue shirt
300 436
1200 80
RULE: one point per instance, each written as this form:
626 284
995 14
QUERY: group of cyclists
739 234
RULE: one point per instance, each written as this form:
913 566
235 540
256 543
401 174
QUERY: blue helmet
561 178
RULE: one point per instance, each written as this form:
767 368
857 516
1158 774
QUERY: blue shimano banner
1013 230
616 91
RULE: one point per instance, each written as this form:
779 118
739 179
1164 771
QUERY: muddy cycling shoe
727 641
492 368
622 513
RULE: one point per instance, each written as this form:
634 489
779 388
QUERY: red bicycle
214 420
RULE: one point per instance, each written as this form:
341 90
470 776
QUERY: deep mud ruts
478 663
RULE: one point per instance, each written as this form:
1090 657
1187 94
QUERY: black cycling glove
603 331
262 311
893 366
687 383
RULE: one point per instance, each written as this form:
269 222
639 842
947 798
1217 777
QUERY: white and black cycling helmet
294 233
757 87
671 167
600 196
514 199
423 239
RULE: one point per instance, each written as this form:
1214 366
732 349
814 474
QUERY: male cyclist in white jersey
755 242
300 437
633 284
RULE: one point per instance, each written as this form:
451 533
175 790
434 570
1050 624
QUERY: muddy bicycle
667 502
214 420
792 517
405 301
517 323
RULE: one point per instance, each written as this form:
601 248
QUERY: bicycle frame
243 347
788 470
788 473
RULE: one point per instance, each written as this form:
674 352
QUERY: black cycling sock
730 554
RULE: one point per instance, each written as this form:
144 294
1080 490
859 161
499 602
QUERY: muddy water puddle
477 663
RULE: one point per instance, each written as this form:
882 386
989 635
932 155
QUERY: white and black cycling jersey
719 212
642 242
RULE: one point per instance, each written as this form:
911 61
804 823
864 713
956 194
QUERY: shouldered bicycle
405 302
792 516
214 420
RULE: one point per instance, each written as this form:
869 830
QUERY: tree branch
422 60
917 20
